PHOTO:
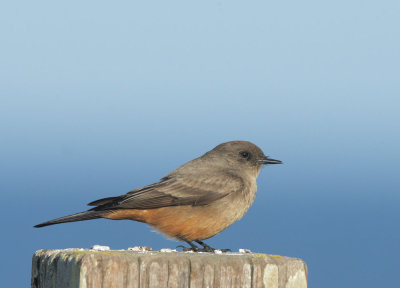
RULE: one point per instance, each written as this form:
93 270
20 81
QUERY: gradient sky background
98 98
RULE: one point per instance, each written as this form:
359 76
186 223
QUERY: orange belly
191 223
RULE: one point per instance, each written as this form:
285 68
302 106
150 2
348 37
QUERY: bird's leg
207 248
193 247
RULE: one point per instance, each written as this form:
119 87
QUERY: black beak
267 160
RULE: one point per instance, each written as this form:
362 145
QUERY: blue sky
99 98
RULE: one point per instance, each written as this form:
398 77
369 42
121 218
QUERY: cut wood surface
123 268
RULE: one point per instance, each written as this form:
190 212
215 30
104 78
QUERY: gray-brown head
240 154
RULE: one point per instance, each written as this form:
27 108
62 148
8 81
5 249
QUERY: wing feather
176 190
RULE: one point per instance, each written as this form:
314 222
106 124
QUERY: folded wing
174 190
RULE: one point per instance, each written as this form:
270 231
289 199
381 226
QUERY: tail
87 215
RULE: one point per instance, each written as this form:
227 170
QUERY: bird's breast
237 204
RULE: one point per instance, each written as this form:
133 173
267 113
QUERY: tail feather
87 215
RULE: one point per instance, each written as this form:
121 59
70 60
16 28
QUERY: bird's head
242 155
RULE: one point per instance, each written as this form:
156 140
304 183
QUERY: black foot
197 249
194 248
207 248
186 249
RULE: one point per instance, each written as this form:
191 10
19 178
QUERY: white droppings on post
100 248
140 249
167 250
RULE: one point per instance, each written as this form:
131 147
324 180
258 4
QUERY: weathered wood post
122 268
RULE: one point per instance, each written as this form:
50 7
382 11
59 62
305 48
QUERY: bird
194 202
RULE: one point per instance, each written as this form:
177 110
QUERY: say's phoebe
194 202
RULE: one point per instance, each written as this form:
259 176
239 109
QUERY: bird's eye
244 154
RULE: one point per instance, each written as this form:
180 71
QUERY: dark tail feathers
87 215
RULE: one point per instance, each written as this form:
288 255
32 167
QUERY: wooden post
121 268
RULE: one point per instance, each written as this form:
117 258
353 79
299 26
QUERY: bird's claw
185 249
204 249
